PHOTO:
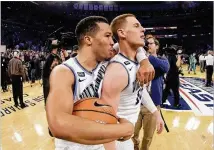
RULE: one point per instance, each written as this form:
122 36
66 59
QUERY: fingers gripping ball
95 109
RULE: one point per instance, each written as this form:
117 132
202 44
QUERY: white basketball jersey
129 105
87 84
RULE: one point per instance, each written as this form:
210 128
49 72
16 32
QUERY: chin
140 44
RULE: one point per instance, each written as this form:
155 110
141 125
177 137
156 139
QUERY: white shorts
67 145
126 145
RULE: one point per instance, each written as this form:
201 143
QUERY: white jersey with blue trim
87 84
129 105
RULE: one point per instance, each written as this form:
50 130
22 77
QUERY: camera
60 40
173 50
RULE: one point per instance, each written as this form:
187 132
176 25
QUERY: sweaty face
152 46
102 42
134 32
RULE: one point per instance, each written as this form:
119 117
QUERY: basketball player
125 94
78 78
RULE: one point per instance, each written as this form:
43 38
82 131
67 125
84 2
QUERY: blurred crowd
32 62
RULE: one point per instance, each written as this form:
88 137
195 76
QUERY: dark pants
46 88
33 75
17 88
174 85
4 82
209 73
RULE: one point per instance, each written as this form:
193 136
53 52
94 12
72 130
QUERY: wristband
141 54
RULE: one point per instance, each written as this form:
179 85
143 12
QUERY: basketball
95 109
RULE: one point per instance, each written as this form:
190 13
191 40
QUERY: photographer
47 68
172 78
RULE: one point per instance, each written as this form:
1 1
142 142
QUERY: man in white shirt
209 68
202 62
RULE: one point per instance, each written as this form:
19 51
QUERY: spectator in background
74 51
209 68
192 63
202 62
4 70
47 68
172 78
16 72
33 70
64 55
51 61
37 67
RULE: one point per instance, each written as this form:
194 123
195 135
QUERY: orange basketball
95 109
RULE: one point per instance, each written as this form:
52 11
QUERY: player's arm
162 64
146 71
66 126
115 80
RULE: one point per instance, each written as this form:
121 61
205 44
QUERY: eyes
137 25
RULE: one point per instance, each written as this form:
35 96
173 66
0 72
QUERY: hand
128 126
159 122
145 73
65 53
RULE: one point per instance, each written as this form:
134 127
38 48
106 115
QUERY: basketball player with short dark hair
80 77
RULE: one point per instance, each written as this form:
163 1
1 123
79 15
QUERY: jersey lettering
92 89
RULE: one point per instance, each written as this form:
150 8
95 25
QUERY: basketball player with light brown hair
121 88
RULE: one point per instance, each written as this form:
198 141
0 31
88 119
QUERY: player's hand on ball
145 73
129 127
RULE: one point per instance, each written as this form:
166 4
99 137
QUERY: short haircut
155 40
118 22
88 26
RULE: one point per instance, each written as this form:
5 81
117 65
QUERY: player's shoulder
63 71
69 61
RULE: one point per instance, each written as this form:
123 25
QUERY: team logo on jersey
194 96
81 74
126 62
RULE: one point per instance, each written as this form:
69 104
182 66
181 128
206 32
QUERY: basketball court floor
190 128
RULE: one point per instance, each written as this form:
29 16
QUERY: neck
86 58
128 50
154 54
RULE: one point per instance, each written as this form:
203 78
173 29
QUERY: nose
111 41
143 29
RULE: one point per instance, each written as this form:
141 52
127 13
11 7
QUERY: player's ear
121 33
88 40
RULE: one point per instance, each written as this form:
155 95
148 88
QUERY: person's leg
201 66
211 74
175 90
149 126
14 89
166 93
194 68
137 129
207 76
21 93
